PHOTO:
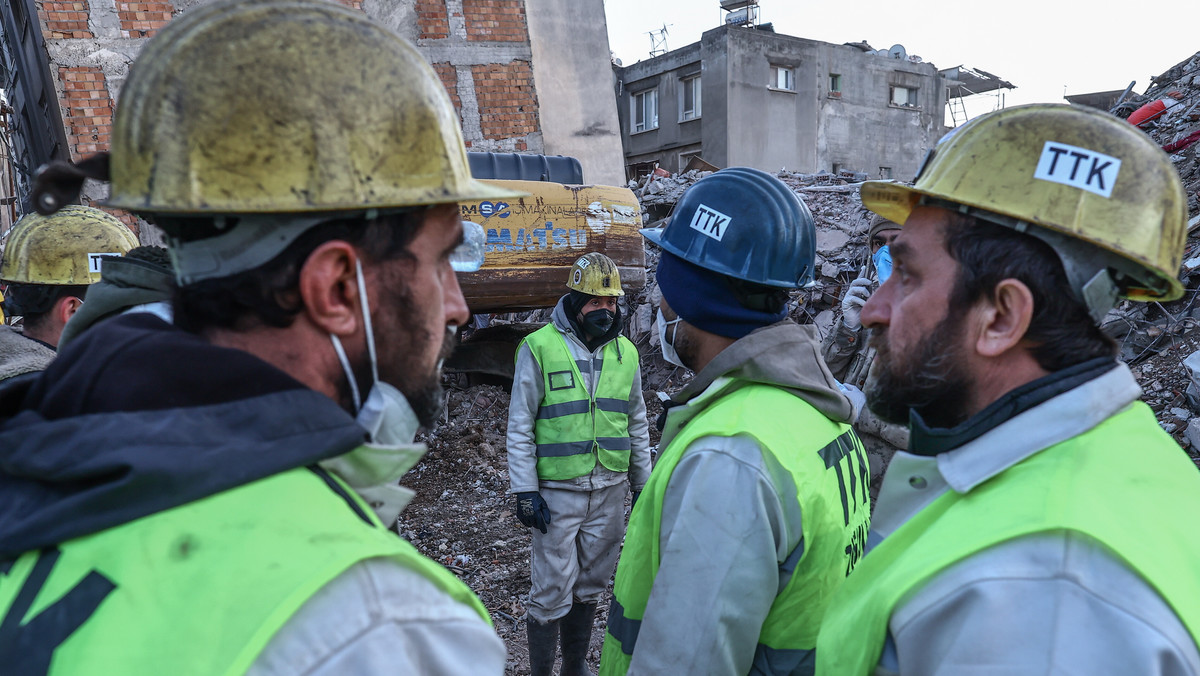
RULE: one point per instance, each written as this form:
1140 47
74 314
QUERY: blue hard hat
744 223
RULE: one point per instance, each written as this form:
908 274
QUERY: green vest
826 461
1124 483
575 427
198 589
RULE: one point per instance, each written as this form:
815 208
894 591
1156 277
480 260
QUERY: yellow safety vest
1124 483
575 427
829 467
198 589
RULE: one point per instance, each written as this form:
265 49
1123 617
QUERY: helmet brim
891 199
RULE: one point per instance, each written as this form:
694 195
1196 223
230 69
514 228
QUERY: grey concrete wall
572 73
672 136
769 129
861 130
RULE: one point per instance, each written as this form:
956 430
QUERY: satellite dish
618 62
898 52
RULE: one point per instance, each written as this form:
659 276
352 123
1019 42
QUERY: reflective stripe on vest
1124 483
575 427
828 465
198 589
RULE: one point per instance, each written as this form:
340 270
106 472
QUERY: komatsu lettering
547 237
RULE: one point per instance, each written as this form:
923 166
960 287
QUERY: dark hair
33 302
1061 329
268 294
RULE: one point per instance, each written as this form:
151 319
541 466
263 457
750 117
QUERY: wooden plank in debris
1194 223
831 188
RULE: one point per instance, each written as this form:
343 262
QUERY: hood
785 355
127 282
568 325
20 354
137 417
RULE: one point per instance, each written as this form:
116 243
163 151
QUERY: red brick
505 111
495 20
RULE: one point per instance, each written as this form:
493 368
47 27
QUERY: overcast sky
1040 46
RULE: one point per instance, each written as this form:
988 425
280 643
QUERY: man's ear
66 308
329 289
1003 318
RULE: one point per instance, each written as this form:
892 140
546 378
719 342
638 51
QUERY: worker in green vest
214 496
577 435
757 508
1040 521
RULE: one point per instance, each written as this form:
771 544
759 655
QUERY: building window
783 78
689 98
904 96
835 84
645 110
885 172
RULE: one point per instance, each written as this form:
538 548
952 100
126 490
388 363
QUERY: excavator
532 241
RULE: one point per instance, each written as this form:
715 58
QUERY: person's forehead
922 236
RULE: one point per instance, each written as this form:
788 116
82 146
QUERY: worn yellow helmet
596 275
1092 186
64 248
285 107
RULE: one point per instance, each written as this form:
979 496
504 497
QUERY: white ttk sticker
1079 167
95 258
710 222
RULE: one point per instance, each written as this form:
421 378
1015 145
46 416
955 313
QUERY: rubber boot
543 640
576 639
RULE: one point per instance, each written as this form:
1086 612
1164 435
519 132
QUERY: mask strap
366 313
341 353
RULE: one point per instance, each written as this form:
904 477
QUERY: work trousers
575 559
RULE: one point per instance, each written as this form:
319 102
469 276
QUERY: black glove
634 502
532 510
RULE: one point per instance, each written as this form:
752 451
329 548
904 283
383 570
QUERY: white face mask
386 414
668 347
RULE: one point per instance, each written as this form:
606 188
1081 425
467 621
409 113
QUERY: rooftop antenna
658 41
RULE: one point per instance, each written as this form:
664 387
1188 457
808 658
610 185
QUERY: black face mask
598 322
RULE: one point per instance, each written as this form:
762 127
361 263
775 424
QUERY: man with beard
213 497
576 432
1040 521
757 508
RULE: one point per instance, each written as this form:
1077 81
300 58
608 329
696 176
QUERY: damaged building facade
750 97
521 75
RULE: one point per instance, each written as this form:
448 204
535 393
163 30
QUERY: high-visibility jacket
829 467
575 427
1124 483
198 589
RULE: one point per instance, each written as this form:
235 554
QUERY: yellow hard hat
596 275
285 107
64 248
1069 176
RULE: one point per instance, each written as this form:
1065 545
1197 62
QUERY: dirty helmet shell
596 275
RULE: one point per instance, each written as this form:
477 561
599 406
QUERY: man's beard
933 380
428 399
399 363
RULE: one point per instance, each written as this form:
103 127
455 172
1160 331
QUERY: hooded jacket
125 283
527 393
728 505
138 417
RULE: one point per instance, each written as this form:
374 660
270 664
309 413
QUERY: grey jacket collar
1063 417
